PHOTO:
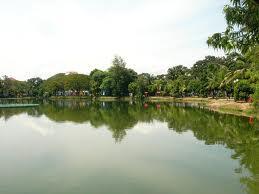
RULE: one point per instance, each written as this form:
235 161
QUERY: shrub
242 90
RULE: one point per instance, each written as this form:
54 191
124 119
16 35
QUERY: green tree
193 87
242 32
106 86
177 71
35 87
97 76
133 88
121 77
215 79
205 73
11 87
140 85
54 85
77 83
242 90
253 59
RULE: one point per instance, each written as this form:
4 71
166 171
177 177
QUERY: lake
81 147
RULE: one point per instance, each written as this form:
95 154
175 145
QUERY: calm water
79 147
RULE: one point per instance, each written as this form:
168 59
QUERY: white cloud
40 38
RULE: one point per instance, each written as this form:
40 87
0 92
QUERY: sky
45 37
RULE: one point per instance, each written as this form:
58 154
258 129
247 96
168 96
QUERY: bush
242 90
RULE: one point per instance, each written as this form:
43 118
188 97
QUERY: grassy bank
228 106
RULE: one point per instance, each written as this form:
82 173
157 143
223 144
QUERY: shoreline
226 106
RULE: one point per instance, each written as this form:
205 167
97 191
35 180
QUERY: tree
242 32
77 83
134 88
140 85
158 85
35 87
120 77
97 76
253 59
242 90
215 79
106 86
204 72
193 87
54 85
177 71
11 87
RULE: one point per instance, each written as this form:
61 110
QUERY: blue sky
42 38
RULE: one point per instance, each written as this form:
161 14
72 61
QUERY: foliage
58 84
97 76
140 85
242 90
242 32
11 87
54 85
120 77
77 82
177 71
34 87
106 86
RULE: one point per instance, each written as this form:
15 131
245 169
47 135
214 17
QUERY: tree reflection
233 132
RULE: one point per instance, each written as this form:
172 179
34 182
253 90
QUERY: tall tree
242 32
120 77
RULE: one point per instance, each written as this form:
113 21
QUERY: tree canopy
242 32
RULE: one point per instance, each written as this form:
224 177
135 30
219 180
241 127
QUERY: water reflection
240 134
